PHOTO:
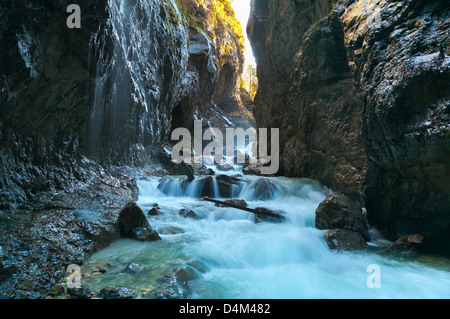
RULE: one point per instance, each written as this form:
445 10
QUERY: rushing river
225 254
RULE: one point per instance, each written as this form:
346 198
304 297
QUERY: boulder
133 224
343 239
338 211
130 217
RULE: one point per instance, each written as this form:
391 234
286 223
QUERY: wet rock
406 245
364 104
155 211
187 213
145 234
186 169
203 170
263 189
339 211
134 224
198 43
252 169
226 184
207 186
130 217
79 293
174 284
134 268
343 239
224 166
117 293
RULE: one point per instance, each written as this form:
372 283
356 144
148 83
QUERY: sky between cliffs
242 11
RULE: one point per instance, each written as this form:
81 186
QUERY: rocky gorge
358 88
78 105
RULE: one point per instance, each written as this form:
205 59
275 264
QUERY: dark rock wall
46 78
111 91
358 89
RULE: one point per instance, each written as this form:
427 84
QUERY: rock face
359 88
77 104
111 91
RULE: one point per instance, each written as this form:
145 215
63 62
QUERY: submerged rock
171 230
174 284
134 268
145 234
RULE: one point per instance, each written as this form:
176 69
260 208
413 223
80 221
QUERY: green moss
171 18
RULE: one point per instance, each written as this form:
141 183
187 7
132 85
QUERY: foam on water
241 259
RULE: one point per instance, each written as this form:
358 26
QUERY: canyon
360 89
357 88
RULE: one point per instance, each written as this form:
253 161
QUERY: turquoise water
227 255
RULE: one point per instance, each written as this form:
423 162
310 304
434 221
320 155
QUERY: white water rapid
225 254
